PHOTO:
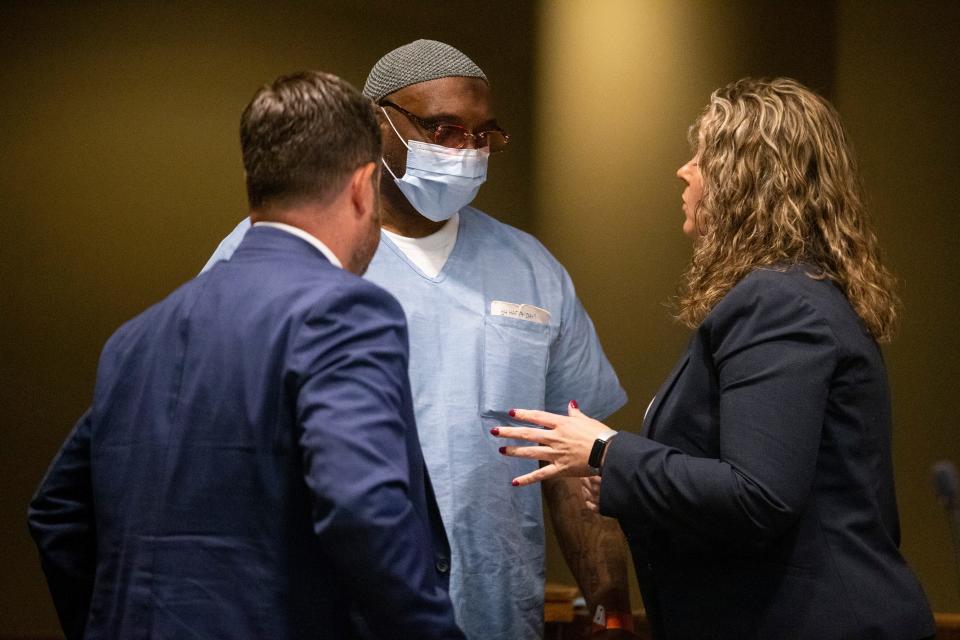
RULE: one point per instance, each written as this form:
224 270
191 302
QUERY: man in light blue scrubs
494 323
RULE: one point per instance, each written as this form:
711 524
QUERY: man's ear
382 121
362 189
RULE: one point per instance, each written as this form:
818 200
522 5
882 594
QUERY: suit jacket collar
265 240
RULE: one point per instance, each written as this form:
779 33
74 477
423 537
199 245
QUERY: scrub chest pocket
515 356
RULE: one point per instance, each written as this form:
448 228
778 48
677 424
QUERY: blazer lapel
648 421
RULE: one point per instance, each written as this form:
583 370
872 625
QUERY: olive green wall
120 171
896 86
619 83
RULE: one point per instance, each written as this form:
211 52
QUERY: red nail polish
512 413
515 483
573 403
495 431
503 449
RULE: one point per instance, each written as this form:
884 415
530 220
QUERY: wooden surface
564 622
948 626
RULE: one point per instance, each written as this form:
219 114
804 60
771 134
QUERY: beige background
120 171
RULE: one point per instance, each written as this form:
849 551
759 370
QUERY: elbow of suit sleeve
647 485
59 527
358 506
38 520
60 513
35 516
376 539
765 516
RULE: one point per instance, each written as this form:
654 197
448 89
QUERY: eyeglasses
454 136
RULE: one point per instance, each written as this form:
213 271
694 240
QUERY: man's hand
590 492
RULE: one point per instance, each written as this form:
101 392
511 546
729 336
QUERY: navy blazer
759 500
249 467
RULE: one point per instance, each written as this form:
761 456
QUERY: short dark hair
302 135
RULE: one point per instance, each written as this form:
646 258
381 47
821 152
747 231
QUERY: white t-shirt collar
429 253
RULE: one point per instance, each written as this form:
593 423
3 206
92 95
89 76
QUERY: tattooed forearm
592 545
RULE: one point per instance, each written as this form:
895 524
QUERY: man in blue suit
250 466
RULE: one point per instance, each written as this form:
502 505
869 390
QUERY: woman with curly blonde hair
780 175
758 500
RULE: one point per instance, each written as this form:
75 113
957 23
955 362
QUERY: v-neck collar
453 257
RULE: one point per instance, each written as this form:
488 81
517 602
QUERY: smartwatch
599 446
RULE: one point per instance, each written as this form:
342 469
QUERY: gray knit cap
417 62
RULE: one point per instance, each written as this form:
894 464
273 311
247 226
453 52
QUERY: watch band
599 446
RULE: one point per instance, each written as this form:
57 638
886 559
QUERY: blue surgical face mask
439 181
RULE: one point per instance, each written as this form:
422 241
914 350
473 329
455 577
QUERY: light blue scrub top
467 369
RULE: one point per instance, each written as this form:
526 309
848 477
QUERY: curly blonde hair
781 187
